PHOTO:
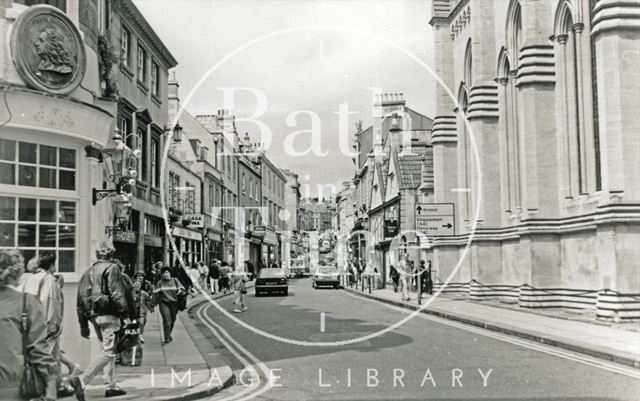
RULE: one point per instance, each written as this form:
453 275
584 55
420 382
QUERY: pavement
371 352
606 342
185 369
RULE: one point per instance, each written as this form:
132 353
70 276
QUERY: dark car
271 280
327 276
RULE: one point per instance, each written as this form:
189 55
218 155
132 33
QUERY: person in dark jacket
395 277
165 295
12 303
181 274
106 279
214 276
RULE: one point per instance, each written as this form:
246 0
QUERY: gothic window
509 108
577 97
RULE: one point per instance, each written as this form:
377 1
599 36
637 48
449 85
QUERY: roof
419 121
410 169
153 38
365 141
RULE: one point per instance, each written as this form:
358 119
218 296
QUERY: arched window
509 109
577 98
465 179
468 60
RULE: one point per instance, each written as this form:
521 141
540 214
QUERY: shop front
213 247
188 245
51 133
269 245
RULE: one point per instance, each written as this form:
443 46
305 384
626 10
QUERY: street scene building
565 187
320 200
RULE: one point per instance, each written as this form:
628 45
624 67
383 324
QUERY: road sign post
435 219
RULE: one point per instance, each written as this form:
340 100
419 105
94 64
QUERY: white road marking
249 392
547 349
321 322
460 190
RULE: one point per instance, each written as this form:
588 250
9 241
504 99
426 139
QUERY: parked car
271 280
326 276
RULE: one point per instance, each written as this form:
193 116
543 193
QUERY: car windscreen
271 273
327 270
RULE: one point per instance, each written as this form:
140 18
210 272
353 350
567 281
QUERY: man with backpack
104 299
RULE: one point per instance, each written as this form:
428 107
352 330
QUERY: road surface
425 359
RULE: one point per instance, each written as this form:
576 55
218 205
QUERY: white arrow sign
435 219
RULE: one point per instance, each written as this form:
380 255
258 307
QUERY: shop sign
47 50
188 234
259 231
391 222
124 236
195 220
270 238
153 240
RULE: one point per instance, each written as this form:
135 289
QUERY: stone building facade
535 142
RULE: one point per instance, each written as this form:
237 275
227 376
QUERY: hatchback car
326 276
271 280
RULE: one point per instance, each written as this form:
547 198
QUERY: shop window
37 165
37 225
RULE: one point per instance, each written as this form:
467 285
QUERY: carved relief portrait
54 56
47 50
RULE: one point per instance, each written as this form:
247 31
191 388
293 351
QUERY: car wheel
286 292
258 293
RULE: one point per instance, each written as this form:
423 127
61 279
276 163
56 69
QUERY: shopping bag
131 356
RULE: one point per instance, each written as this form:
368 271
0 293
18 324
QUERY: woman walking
14 340
239 279
166 293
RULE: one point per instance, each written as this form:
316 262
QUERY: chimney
173 103
173 86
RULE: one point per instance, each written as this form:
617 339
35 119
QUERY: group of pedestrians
406 276
108 300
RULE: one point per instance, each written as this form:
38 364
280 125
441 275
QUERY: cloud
305 70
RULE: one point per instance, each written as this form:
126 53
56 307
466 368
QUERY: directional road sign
435 219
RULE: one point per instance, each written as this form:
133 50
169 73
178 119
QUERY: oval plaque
47 50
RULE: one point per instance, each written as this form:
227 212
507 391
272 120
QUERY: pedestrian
405 277
44 285
395 277
214 276
225 283
104 299
14 339
143 303
194 276
181 274
239 290
427 282
165 294
73 369
204 275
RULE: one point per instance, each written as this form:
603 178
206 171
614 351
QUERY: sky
301 59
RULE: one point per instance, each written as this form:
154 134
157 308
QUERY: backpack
94 300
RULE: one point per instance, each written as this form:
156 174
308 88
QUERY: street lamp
120 164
